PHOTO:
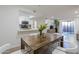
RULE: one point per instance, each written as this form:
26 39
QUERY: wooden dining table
35 42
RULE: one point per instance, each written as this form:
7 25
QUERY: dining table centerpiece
41 28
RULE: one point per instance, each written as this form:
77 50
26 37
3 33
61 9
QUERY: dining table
39 44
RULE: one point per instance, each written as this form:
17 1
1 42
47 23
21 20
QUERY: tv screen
25 22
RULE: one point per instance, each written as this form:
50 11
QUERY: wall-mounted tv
25 22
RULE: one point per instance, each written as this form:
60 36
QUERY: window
68 34
68 27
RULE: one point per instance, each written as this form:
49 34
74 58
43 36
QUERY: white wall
76 25
8 25
40 21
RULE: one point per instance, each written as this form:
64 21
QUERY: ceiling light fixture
76 12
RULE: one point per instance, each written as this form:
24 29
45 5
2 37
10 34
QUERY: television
25 22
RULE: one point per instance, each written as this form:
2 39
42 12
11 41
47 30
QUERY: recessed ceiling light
76 12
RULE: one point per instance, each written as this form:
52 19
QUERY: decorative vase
41 33
41 37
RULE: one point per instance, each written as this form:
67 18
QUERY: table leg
61 42
22 44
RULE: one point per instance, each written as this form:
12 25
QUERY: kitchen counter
23 32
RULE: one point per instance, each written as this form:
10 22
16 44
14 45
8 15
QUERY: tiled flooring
17 50
55 51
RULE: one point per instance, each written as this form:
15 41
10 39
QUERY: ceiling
53 11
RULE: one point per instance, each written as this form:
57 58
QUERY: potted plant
56 22
41 28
